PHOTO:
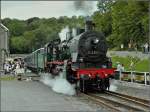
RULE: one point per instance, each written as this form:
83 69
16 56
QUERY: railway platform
130 88
35 96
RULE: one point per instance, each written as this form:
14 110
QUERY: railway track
142 102
120 102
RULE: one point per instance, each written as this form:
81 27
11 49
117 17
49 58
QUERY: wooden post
120 74
145 79
131 76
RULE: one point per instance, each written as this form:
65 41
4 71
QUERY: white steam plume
58 84
63 33
113 87
85 7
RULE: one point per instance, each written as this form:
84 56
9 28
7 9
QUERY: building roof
4 27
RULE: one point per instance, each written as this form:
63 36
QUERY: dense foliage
29 35
122 22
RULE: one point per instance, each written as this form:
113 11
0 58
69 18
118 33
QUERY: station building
4 42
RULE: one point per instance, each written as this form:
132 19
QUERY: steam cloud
84 6
58 84
113 87
63 32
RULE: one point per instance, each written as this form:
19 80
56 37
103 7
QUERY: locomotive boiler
89 47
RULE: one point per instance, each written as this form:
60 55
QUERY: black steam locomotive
83 55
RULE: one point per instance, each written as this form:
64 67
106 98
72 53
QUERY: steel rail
115 105
100 102
142 102
119 104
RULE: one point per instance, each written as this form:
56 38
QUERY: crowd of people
135 47
11 67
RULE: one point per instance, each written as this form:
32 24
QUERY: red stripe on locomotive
93 72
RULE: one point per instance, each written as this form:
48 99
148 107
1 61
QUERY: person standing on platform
120 68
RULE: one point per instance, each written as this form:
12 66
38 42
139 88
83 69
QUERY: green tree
104 6
127 22
103 22
16 27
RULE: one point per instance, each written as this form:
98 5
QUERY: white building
4 42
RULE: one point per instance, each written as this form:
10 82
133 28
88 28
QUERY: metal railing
133 76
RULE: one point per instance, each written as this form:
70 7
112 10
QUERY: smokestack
89 25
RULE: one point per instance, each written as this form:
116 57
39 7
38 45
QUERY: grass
141 65
7 78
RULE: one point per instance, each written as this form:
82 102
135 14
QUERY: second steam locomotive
83 55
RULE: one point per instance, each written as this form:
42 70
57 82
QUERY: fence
133 76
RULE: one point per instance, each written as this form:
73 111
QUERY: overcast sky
43 9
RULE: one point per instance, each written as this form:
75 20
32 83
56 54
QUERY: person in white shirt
17 66
146 48
120 68
6 67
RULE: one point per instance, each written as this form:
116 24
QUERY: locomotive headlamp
96 41
89 75
81 59
106 75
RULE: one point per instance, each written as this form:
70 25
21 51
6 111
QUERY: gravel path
129 53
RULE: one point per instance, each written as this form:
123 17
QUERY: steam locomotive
83 56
